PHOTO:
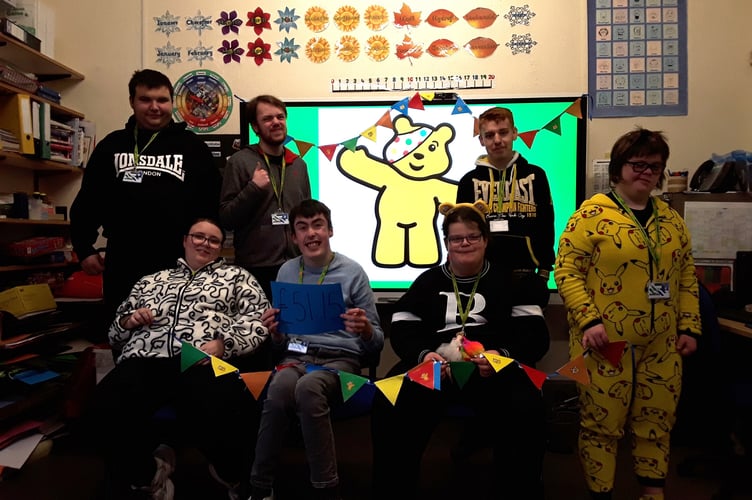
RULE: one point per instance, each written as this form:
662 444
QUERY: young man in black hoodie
143 186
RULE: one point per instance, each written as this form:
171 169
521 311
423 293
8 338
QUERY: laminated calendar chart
637 57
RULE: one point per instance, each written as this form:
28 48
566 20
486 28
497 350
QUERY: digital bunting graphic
416 102
427 373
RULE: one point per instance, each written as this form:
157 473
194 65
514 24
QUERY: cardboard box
19 33
37 18
25 300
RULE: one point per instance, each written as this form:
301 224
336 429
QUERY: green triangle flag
350 384
351 143
189 356
461 371
554 125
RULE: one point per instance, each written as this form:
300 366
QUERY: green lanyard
135 145
652 245
464 312
500 194
323 273
277 193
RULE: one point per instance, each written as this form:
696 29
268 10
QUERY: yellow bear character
410 184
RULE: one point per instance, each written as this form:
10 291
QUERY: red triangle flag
537 377
613 352
416 102
329 150
423 374
528 138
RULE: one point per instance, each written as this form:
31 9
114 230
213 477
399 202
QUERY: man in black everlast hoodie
143 186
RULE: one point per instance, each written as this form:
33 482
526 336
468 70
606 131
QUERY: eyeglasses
200 239
640 166
471 239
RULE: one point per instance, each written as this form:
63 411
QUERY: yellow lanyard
652 245
277 193
500 194
135 145
323 273
464 312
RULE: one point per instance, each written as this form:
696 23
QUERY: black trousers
508 414
218 415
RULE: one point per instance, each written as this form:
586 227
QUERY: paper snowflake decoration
200 53
521 43
199 23
286 19
229 22
167 24
519 15
231 51
168 55
287 50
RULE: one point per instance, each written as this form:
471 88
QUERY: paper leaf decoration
480 17
481 47
441 18
406 17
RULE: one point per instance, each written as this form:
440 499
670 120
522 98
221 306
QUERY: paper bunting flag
575 109
350 384
303 147
386 120
289 138
329 150
369 133
536 376
576 370
528 138
314 368
425 374
402 105
476 126
256 381
221 367
351 143
416 102
427 96
461 371
390 387
460 107
189 356
554 125
613 352
498 362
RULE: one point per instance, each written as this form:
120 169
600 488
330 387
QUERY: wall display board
371 196
718 229
637 53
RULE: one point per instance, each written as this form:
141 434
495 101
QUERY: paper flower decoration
229 22
231 51
259 20
259 51
286 19
287 50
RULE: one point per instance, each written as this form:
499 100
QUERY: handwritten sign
308 309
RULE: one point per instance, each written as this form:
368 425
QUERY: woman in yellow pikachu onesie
625 271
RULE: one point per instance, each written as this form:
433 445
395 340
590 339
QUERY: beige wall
104 40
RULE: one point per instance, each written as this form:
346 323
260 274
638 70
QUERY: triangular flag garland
427 373
416 102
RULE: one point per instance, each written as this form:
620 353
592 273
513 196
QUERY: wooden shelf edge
28 59
35 222
16 160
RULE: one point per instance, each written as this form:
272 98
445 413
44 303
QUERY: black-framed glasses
200 239
471 239
640 166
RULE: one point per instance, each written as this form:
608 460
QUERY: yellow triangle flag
370 133
221 368
498 362
255 381
576 370
427 96
390 387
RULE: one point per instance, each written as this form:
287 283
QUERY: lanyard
502 183
135 145
323 272
277 193
652 245
464 312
